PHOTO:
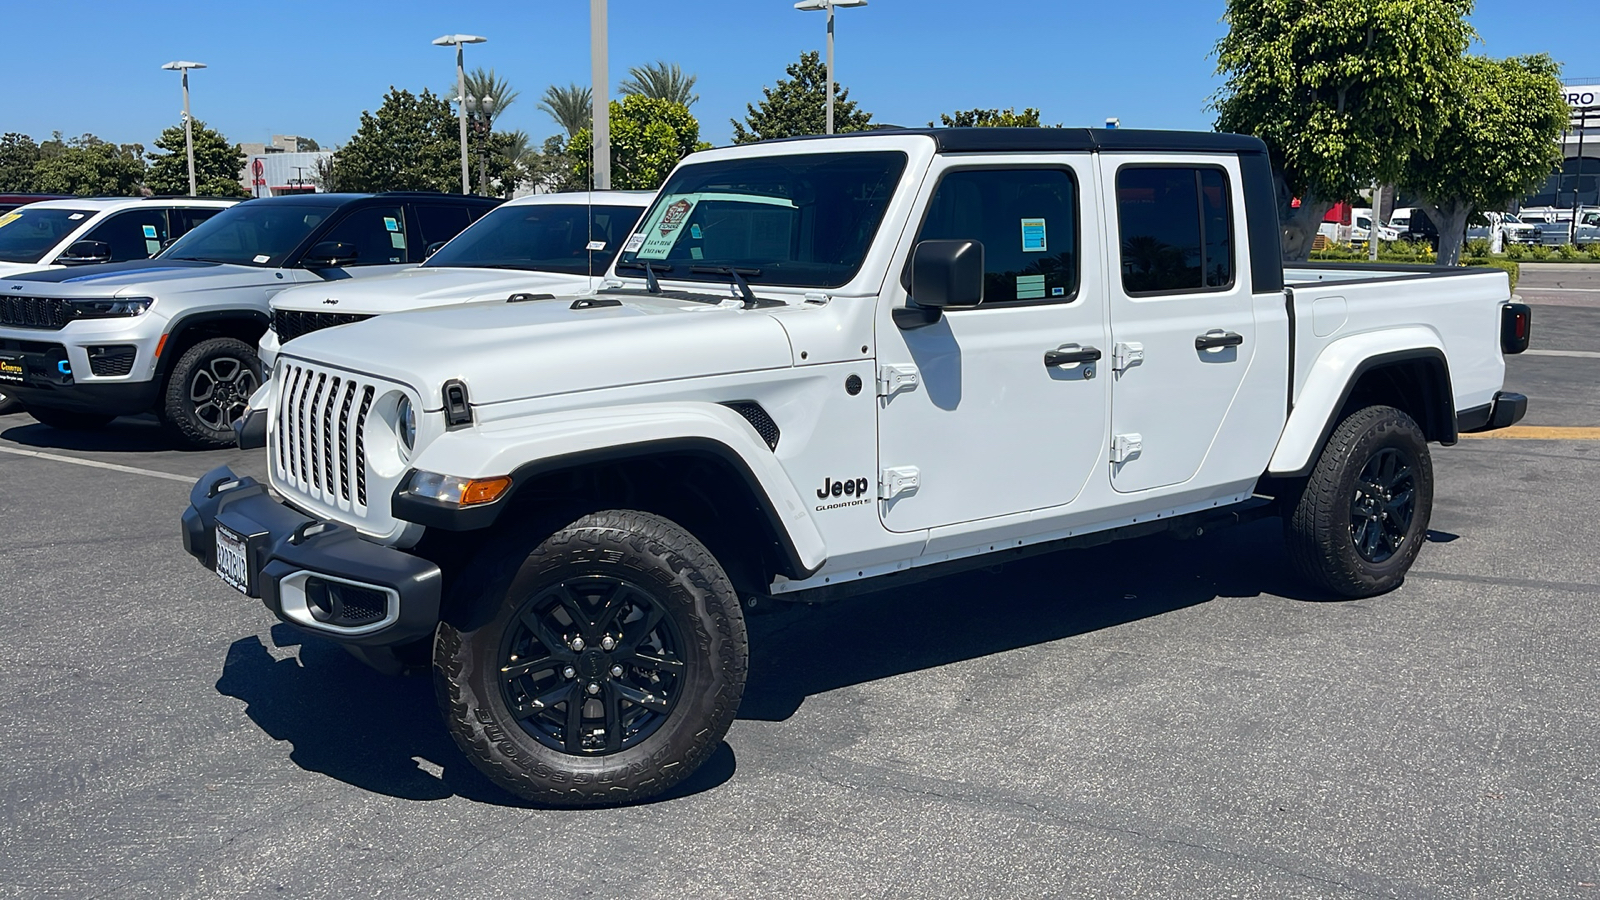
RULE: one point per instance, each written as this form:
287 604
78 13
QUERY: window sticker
1033 236
694 231
262 258
1030 287
1058 292
149 231
635 241
662 234
398 240
75 217
152 247
8 218
696 253
390 223
596 246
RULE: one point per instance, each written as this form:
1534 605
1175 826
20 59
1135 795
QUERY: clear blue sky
293 67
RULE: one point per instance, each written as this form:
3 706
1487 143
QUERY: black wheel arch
1415 381
185 331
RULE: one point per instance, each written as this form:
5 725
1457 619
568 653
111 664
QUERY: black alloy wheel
220 391
209 387
593 666
1383 506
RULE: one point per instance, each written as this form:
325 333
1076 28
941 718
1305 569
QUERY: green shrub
1568 251
1478 247
1516 251
1594 251
1488 262
1539 253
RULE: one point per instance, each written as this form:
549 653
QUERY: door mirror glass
330 254
84 253
947 274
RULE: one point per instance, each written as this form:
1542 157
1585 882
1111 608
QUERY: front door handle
1070 354
1215 340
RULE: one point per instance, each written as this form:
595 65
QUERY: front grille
112 361
290 324
759 420
35 312
320 440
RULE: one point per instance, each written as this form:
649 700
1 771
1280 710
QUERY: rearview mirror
330 254
86 253
944 275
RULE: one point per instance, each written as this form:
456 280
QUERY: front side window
250 234
800 220
377 232
1176 231
135 234
547 237
1027 221
26 234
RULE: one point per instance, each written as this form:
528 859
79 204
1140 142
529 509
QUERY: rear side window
378 234
134 234
1176 229
441 223
183 220
1027 221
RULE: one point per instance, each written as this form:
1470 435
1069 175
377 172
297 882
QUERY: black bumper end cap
1505 410
251 430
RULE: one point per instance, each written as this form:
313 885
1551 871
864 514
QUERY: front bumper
320 577
67 375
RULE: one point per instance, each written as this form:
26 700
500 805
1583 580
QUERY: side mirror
85 253
944 275
432 249
329 254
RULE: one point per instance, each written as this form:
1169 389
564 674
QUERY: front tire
1361 517
207 389
601 667
67 420
9 404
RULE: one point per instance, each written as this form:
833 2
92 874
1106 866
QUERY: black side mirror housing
944 275
86 253
432 249
329 254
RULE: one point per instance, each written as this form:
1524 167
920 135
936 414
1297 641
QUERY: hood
422 288
138 278
8 269
514 351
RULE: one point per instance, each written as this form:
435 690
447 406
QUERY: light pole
602 94
482 126
459 41
184 66
829 5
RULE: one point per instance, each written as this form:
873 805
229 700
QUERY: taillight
1516 326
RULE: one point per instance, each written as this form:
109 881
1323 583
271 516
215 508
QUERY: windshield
250 234
803 220
571 238
26 234
1512 219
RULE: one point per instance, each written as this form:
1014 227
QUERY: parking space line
1576 354
1539 433
99 465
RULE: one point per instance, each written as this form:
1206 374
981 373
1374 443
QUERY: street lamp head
451 40
824 4
177 64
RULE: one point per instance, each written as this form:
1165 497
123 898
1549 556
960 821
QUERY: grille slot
319 448
758 419
290 323
112 361
35 312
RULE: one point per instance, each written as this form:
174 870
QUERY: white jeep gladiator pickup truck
827 365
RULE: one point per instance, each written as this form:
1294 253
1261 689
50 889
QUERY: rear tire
601 667
207 389
1361 517
66 420
9 404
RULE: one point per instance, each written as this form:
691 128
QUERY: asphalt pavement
1146 719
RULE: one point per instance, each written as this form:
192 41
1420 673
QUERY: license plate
12 369
233 564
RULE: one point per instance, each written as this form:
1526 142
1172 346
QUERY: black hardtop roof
1021 140
337 200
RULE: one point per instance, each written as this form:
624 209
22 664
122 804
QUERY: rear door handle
1214 340
1070 354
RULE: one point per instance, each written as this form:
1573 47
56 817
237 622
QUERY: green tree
217 164
89 167
553 168
486 147
572 107
18 155
661 80
990 118
797 106
1499 141
648 137
305 145
410 144
1342 93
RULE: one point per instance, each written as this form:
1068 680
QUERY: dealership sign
1581 94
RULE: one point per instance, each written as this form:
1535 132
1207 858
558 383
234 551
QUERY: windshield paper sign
661 234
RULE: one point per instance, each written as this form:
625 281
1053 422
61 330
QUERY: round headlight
408 423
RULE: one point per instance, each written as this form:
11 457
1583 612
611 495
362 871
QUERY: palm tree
572 106
661 80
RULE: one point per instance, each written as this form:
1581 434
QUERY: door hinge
1125 356
894 379
1125 447
896 481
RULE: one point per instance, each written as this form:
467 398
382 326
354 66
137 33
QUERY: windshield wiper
650 270
737 274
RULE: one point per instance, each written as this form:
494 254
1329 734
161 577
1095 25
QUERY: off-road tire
205 421
9 404
1321 532
67 420
655 557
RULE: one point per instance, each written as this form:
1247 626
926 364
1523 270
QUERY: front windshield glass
804 220
571 238
26 234
1513 219
250 234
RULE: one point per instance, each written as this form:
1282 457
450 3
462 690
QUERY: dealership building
1580 166
280 167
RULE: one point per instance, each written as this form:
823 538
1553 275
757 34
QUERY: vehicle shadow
128 434
795 654
375 732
